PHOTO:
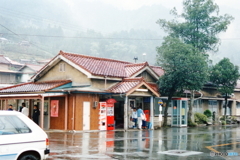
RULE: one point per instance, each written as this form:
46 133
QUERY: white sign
160 108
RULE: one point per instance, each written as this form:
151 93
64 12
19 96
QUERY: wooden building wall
58 122
75 111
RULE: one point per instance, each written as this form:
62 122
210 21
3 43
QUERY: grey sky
135 4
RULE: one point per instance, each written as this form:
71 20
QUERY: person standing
139 117
25 110
10 107
36 114
134 117
20 108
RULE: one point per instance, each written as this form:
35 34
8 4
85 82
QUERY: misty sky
135 4
228 38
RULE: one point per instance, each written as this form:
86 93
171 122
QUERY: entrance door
46 115
86 115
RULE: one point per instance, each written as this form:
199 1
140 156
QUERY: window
238 105
229 108
238 108
12 125
212 106
62 67
197 107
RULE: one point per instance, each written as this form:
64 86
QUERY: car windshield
10 124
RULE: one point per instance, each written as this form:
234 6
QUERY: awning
29 96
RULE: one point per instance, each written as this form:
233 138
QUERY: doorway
119 114
86 115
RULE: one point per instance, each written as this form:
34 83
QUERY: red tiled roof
154 86
98 66
134 68
103 66
130 83
34 86
126 85
158 70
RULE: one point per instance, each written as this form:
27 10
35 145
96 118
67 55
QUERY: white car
21 138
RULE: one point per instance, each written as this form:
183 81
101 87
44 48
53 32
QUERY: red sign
54 108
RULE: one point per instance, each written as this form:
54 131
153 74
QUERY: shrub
224 123
200 118
191 124
234 118
207 113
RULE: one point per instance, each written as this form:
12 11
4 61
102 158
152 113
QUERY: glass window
238 105
12 125
212 106
229 108
197 106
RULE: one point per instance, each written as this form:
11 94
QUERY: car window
10 124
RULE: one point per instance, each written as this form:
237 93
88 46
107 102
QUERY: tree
225 75
184 69
200 24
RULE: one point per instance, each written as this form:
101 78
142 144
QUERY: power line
110 38
23 15
79 37
23 38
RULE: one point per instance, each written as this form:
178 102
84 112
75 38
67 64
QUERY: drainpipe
73 113
151 111
125 114
66 112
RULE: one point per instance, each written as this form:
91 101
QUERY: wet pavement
199 143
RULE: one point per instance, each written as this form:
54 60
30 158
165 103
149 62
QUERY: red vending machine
147 114
102 116
110 113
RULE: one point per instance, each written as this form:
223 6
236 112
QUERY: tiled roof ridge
136 79
57 85
138 64
139 80
157 67
53 81
133 79
97 58
17 85
143 65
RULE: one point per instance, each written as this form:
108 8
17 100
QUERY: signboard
54 108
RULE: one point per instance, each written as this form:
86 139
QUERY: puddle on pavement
145 144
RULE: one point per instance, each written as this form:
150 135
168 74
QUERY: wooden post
66 112
126 113
42 112
73 112
151 112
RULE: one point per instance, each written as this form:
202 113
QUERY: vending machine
110 114
102 116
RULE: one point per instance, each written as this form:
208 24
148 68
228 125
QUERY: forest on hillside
38 30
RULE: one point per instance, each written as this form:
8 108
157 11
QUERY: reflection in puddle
146 144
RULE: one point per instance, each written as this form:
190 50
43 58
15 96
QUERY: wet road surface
200 143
